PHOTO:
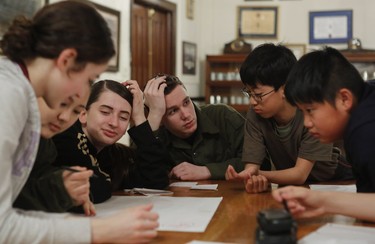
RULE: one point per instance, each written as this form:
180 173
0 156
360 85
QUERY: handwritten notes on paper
185 214
343 234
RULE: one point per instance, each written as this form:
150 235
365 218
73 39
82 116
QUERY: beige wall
219 20
215 22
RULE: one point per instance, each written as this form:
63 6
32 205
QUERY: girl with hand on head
53 56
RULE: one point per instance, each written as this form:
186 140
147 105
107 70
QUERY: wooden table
235 219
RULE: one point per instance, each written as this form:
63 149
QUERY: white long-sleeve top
19 139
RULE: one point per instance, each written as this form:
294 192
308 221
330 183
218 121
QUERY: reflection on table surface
235 219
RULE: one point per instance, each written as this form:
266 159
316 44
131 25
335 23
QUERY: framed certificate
331 26
257 22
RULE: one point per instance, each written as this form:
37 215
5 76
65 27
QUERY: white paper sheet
342 188
210 187
340 234
185 214
274 186
188 184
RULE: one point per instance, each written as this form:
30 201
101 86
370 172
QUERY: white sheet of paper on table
340 234
211 187
274 186
183 184
185 214
341 188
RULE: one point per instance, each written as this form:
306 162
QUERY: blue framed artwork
331 26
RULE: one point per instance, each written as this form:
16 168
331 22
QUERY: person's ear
66 59
83 117
345 99
282 90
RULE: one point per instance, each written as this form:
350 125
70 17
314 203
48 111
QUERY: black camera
276 226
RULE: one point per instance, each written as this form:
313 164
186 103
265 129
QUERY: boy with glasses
274 128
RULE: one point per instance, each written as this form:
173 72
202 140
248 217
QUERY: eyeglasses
256 97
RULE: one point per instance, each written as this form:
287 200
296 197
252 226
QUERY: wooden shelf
222 80
363 60
359 56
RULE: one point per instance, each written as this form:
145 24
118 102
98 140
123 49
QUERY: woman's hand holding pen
77 185
301 202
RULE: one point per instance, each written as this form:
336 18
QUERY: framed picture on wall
113 19
331 26
298 49
257 22
190 9
189 57
9 9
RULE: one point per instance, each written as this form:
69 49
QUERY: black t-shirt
359 140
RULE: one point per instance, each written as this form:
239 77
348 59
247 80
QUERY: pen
76 170
286 206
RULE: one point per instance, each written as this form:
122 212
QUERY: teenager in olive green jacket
202 141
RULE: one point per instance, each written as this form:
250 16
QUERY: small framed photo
112 17
257 22
298 49
189 57
190 9
9 9
331 26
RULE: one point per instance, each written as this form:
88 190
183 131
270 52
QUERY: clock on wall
237 46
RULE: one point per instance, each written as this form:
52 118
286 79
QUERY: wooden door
152 39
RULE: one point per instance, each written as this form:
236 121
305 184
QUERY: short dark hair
172 82
268 64
319 75
108 85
